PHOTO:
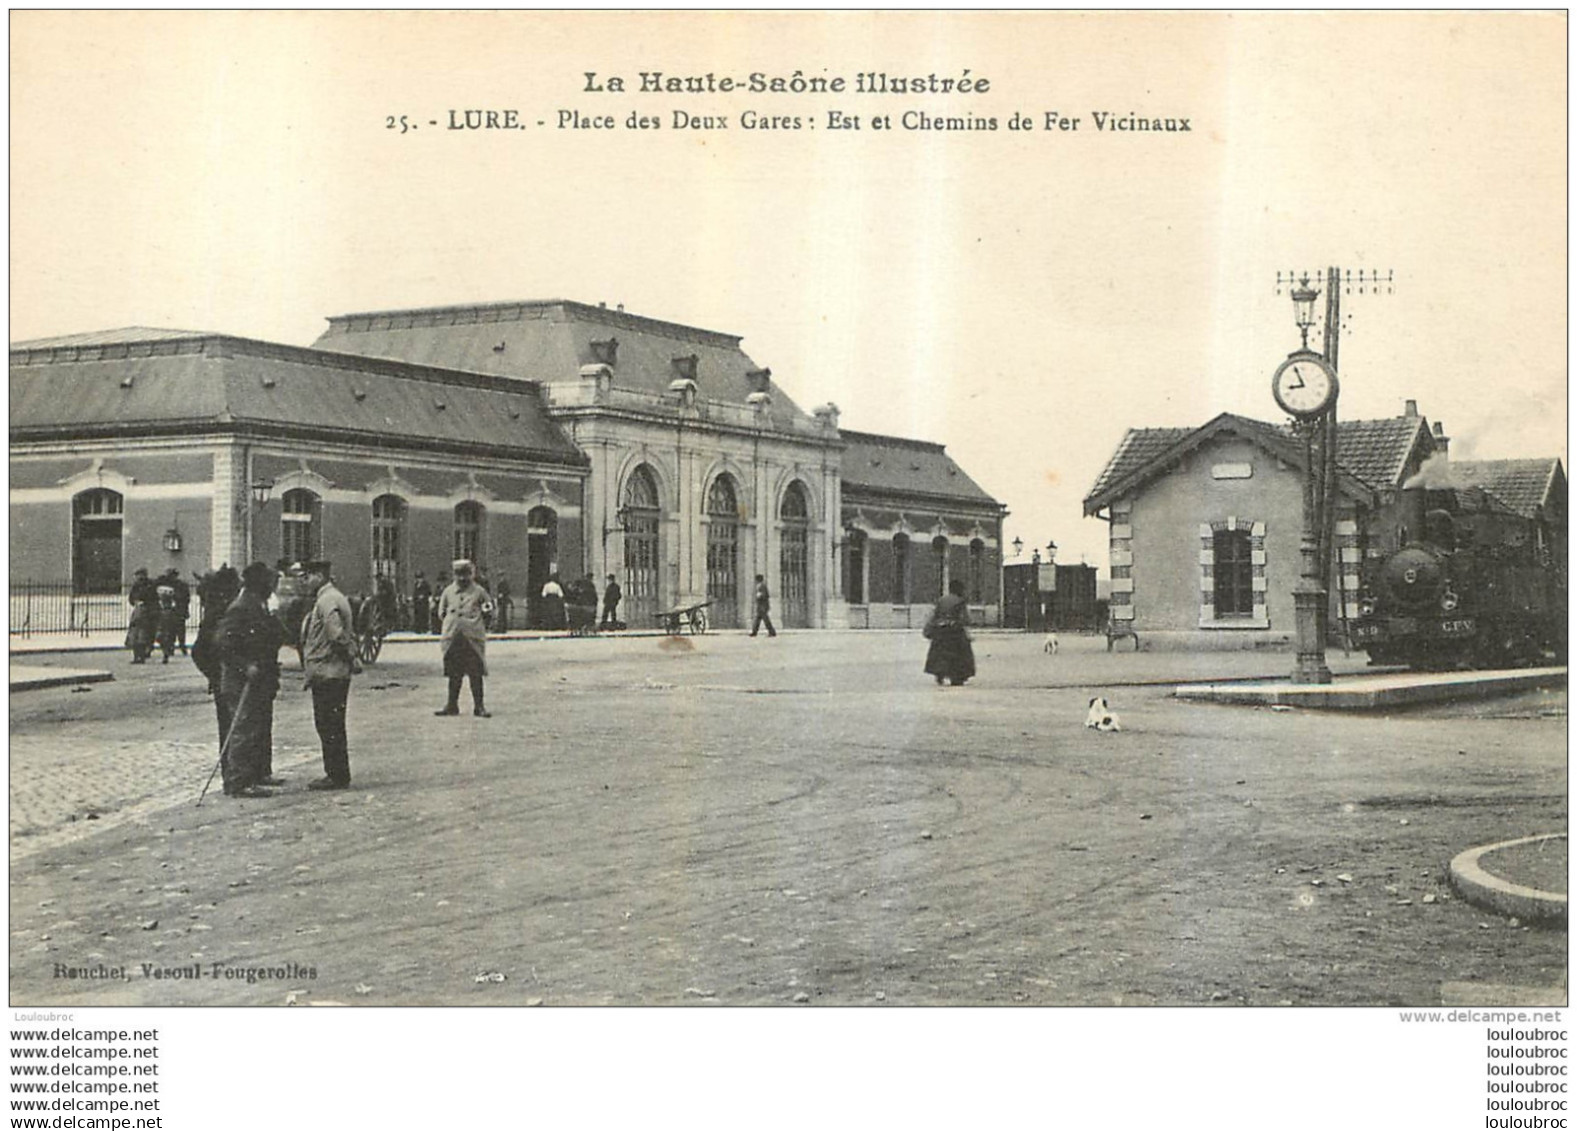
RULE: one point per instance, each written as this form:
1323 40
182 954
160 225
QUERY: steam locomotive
1473 584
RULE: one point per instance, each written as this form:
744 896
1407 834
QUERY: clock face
1304 385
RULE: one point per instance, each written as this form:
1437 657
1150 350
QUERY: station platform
1368 692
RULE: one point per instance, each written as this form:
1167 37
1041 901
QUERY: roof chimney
1442 441
1411 410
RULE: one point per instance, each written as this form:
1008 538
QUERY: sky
1022 296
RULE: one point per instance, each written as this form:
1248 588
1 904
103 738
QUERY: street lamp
1303 296
1018 546
257 494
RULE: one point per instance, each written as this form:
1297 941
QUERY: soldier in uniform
466 611
249 642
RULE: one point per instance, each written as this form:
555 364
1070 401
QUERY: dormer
760 380
685 367
606 352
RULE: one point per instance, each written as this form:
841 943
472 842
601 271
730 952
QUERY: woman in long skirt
951 657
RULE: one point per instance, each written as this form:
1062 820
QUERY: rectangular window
1233 573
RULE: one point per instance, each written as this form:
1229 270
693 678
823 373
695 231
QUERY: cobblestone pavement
807 819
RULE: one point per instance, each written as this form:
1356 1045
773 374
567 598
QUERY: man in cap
611 596
249 641
466 611
328 651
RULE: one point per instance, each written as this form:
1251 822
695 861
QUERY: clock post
1306 387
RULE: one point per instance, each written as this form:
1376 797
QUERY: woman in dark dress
951 657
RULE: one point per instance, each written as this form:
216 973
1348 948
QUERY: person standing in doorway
328 652
611 596
421 598
552 603
505 601
466 611
249 641
763 608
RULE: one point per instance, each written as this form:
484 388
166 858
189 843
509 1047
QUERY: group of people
240 635
574 606
159 611
237 649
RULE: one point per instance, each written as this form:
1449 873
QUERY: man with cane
249 642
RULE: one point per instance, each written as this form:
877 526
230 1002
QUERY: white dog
1050 647
1101 716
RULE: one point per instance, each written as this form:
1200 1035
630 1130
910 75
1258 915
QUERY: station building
532 437
1206 523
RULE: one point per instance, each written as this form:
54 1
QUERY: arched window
640 492
722 552
388 537
641 523
794 560
468 531
301 514
977 572
96 541
939 556
855 589
900 569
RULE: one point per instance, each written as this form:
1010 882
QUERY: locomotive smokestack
1410 511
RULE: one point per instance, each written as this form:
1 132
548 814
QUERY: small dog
1101 716
1050 647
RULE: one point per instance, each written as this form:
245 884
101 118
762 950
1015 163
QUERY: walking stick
225 746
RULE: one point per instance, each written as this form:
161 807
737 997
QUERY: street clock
1305 385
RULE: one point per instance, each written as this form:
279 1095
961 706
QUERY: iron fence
45 607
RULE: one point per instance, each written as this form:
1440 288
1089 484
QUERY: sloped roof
91 385
123 336
1524 485
550 341
1373 453
896 466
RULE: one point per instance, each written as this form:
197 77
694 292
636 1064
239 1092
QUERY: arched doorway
642 579
722 552
542 548
96 541
794 559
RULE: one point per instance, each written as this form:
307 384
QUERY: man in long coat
144 598
215 590
249 642
466 611
328 648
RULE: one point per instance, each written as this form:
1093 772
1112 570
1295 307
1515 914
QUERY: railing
45 607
